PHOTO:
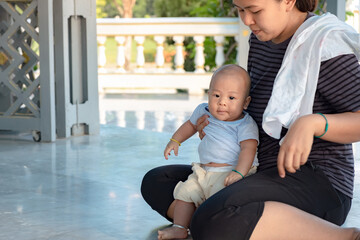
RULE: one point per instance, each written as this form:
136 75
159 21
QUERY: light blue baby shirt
221 143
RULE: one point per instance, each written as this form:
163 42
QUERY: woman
303 188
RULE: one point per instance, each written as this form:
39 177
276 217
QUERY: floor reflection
88 187
160 113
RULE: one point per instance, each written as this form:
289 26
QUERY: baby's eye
217 95
231 98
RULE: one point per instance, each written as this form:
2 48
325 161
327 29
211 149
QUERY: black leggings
234 212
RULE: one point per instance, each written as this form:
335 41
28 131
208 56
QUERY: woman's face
267 19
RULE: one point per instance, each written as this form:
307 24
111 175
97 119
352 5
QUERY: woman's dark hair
306 5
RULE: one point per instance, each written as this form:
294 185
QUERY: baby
227 152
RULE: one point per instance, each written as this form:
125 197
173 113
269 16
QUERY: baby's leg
182 217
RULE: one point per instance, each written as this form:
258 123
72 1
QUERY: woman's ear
247 102
289 4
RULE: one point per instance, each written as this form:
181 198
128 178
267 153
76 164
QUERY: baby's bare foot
172 233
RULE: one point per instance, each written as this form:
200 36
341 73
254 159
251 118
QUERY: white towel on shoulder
318 39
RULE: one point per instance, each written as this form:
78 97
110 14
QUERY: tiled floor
87 188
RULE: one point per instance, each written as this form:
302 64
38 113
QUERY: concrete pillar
77 106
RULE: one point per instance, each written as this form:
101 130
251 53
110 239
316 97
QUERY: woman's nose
247 18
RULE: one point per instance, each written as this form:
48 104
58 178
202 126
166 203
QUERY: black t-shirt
338 91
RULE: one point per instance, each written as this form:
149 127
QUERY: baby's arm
184 132
246 159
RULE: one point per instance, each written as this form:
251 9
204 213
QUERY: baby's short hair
232 69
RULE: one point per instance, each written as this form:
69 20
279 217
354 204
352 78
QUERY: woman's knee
227 223
158 185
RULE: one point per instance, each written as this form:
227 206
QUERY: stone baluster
120 60
102 56
159 59
179 57
199 55
140 58
220 56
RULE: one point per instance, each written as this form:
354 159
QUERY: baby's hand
231 178
169 147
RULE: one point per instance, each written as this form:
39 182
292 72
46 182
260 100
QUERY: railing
161 76
354 20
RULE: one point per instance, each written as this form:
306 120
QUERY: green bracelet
326 126
238 173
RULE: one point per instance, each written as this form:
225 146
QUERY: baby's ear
247 102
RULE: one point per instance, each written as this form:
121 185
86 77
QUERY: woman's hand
201 123
231 178
297 143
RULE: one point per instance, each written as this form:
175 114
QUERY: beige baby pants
202 184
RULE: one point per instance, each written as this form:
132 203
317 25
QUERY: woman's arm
184 132
342 127
296 147
246 159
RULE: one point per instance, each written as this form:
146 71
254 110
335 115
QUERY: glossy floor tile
81 188
88 187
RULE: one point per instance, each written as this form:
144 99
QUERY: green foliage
100 4
107 9
178 8
211 8
186 8
214 8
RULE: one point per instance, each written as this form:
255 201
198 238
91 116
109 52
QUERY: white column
179 57
199 55
102 56
120 60
220 56
140 58
159 59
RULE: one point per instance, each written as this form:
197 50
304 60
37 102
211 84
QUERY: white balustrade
179 57
199 55
120 60
143 76
159 59
140 58
220 55
101 54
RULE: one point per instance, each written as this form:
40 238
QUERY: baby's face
227 97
